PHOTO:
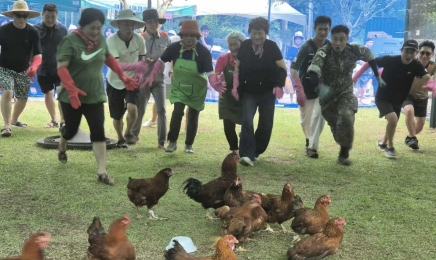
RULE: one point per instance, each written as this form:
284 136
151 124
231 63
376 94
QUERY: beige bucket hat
21 6
127 15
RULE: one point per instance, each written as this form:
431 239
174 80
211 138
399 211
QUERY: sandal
20 124
51 124
105 178
6 132
62 156
121 144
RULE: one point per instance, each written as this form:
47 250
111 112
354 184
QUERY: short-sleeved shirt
398 77
127 54
336 69
221 63
203 59
85 67
259 74
17 46
302 62
209 41
417 91
50 39
155 46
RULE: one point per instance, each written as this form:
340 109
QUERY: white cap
185 242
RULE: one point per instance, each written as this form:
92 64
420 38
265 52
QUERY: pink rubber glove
278 92
33 68
216 83
140 68
360 72
430 86
129 83
301 96
157 68
235 85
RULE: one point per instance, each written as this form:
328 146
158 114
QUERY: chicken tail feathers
176 253
194 189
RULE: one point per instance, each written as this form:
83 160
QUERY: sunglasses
427 53
18 15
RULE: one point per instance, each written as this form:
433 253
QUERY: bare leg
61 114
132 115
50 105
119 125
154 116
420 122
18 109
99 149
6 107
410 120
390 128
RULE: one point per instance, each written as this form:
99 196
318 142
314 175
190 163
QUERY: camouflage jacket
335 69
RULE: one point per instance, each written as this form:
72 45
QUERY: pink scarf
90 44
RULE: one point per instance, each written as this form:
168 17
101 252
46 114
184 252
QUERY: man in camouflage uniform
332 67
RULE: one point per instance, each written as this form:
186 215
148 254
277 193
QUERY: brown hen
319 245
32 249
312 221
112 246
148 191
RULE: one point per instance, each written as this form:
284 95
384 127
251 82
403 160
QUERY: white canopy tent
245 8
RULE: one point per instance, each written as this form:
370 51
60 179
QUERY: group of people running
249 79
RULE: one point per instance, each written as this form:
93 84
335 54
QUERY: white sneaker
246 161
149 123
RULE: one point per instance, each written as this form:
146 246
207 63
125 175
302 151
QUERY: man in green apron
192 68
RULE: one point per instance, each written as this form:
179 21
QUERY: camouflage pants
15 81
340 115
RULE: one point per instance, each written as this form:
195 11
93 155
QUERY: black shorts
48 83
118 100
385 107
419 105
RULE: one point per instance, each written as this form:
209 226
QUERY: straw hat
127 15
21 6
189 27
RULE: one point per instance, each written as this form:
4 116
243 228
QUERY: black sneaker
390 152
344 161
382 146
312 153
406 141
413 143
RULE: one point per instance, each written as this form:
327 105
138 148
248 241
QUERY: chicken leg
284 229
138 215
208 216
268 228
153 216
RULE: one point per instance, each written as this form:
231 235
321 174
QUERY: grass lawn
389 205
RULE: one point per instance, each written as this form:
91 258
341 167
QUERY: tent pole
269 11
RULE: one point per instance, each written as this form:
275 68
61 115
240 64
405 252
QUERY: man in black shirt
19 41
51 32
399 72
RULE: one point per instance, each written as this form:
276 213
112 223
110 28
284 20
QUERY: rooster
112 246
211 194
32 249
224 250
319 245
148 191
312 221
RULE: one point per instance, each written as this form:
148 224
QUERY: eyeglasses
427 53
18 15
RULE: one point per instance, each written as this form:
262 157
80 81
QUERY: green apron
228 107
188 86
